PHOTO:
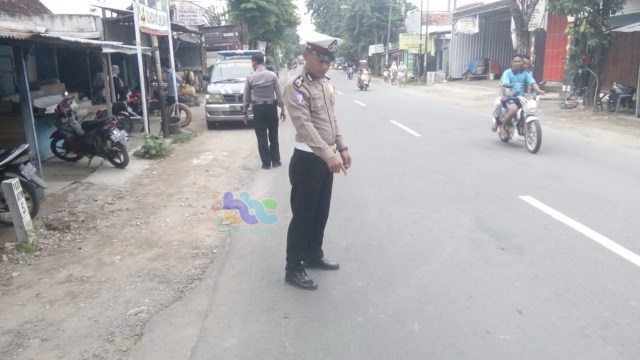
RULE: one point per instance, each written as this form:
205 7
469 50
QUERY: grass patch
26 247
184 136
154 147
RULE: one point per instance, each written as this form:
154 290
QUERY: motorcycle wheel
124 122
30 196
59 147
533 136
118 155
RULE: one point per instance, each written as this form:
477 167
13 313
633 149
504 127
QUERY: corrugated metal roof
106 46
25 7
629 28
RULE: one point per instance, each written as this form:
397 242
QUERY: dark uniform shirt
310 103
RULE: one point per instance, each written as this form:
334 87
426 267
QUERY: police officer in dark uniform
262 90
320 152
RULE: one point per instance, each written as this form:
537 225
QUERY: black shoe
276 164
322 263
266 167
300 279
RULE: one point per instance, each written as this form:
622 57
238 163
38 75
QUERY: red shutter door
555 53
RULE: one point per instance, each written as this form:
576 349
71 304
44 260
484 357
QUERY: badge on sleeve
332 90
298 97
298 81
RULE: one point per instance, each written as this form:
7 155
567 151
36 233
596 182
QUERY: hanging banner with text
411 42
468 25
153 17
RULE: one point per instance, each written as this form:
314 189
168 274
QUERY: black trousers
311 185
265 118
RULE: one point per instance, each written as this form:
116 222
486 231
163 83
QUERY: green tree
521 12
263 20
359 23
590 34
213 18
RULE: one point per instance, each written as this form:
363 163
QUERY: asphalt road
452 245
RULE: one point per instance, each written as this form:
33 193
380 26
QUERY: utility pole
389 33
426 44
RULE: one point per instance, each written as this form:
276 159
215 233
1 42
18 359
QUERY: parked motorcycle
17 162
526 123
350 71
99 137
622 94
124 115
363 79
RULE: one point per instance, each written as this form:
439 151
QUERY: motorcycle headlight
214 99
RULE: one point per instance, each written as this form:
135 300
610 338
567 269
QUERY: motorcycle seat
94 124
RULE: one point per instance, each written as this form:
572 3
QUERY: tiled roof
25 7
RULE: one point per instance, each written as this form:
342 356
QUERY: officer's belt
305 147
265 102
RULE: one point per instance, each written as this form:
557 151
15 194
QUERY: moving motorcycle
363 79
385 74
350 71
526 123
401 78
17 162
394 76
99 137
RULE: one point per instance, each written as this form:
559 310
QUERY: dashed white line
591 234
405 128
359 103
340 92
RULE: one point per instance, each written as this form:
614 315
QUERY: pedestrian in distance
172 97
320 151
262 90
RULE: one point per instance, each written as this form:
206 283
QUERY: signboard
153 17
376 49
410 41
262 46
468 25
189 17
538 16
217 38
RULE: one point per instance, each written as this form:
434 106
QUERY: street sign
189 17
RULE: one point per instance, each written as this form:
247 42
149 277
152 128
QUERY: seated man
515 81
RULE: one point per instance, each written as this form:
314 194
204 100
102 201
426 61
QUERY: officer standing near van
320 151
262 90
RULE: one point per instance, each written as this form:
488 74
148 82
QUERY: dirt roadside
115 253
112 256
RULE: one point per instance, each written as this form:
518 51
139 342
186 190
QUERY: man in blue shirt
515 82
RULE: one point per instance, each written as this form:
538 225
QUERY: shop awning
105 46
629 28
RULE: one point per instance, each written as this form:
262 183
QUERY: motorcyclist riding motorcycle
364 75
514 82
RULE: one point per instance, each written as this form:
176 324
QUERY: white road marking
340 92
359 103
405 128
591 234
